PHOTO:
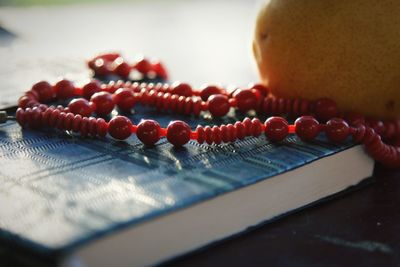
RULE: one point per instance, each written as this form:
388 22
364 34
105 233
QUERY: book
99 202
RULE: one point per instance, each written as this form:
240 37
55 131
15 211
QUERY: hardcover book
100 202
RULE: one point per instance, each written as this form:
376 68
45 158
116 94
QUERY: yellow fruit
348 51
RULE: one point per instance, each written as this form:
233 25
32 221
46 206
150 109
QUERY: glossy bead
104 103
218 105
119 127
123 69
36 118
20 117
208 90
276 129
64 89
90 89
264 91
109 56
307 128
101 67
148 132
143 66
246 100
44 91
25 101
183 89
158 67
178 133
325 109
102 127
377 125
125 99
337 130
80 106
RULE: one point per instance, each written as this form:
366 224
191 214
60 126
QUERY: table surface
202 41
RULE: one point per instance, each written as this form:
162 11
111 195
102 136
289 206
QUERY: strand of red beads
182 98
113 63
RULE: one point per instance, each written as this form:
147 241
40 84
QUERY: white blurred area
198 41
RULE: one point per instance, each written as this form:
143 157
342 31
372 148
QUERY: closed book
75 201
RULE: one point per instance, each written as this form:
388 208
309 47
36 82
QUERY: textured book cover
58 190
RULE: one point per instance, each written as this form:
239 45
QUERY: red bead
377 125
36 118
307 128
76 123
143 66
183 89
218 105
64 89
325 109
123 69
102 127
104 103
209 90
90 89
178 133
246 100
119 127
69 118
337 130
148 132
20 116
53 119
44 91
101 67
80 106
160 70
109 56
124 99
25 101
264 91
276 129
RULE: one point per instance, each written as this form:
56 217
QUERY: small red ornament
208 90
90 89
143 66
337 130
64 89
183 89
148 132
122 69
245 99
218 105
124 99
307 128
104 103
178 133
276 129
80 106
119 127
44 91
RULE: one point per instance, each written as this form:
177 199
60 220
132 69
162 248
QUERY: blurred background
198 41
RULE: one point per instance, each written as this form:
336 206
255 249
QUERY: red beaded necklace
181 98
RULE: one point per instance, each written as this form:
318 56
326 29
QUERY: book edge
89 253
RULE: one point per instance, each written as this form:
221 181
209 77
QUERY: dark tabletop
361 228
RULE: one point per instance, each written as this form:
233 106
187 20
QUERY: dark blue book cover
59 191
